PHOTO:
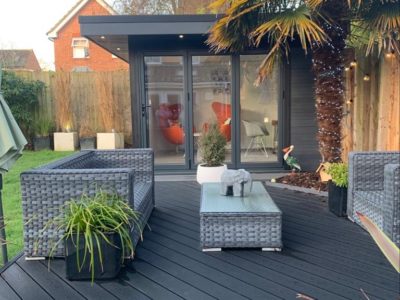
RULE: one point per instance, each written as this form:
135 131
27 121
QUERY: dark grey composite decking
324 257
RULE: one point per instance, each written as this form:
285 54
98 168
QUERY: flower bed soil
305 180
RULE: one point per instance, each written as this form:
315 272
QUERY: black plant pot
337 199
41 143
88 143
111 258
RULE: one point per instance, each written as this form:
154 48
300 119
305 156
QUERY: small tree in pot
211 146
97 235
337 188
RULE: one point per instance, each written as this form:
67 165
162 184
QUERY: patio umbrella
12 142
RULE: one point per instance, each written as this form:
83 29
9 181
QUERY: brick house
19 59
72 52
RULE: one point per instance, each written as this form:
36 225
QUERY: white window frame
155 60
80 47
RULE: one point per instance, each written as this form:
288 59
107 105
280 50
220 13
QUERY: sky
24 24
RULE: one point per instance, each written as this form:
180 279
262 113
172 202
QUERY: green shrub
42 126
339 173
212 146
22 97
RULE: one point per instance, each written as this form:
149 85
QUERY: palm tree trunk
328 63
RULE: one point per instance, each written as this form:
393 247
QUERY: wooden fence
372 110
86 102
100 101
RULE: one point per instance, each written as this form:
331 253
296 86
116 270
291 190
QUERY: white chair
256 132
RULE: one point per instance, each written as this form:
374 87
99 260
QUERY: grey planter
88 143
337 199
109 255
41 143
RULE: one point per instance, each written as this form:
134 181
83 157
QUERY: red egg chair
223 113
168 117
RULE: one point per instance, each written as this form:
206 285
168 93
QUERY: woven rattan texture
46 189
219 230
374 189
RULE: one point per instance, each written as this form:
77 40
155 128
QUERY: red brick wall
98 60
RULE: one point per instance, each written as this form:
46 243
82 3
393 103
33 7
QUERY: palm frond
314 4
380 21
218 4
282 29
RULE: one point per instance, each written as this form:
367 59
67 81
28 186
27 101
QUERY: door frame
145 126
142 134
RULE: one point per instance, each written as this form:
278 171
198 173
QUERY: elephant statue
236 183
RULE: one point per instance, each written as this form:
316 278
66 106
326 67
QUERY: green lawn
12 196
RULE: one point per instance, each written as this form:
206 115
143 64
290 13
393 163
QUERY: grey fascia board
149 19
146 25
91 29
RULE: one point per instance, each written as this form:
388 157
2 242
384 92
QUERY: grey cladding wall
303 125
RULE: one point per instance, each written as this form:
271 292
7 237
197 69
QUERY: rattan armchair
374 190
128 172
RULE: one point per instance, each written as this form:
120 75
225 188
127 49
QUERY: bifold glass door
258 112
165 108
212 97
184 94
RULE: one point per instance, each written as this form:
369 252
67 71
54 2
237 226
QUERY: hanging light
366 77
353 63
347 69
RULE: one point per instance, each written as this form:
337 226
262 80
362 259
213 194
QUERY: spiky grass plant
63 105
93 217
106 102
42 126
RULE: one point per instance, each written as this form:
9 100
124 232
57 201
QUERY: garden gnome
236 183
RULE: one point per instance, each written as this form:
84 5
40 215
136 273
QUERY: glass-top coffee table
234 222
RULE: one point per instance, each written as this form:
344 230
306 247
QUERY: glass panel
258 112
257 201
212 79
164 85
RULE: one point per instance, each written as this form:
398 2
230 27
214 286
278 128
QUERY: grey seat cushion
141 191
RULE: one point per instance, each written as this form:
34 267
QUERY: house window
153 60
80 48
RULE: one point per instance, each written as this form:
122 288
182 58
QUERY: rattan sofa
128 172
374 190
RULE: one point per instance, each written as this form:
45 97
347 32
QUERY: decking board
324 257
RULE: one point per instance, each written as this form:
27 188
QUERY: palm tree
321 27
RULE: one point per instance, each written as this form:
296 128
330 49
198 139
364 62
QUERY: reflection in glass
258 112
212 96
164 86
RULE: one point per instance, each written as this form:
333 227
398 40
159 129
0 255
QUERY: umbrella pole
2 229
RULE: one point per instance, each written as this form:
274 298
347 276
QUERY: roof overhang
114 32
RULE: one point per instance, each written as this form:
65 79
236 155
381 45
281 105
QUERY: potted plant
97 235
42 127
337 188
211 146
87 136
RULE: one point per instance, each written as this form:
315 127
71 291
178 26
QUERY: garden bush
22 96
